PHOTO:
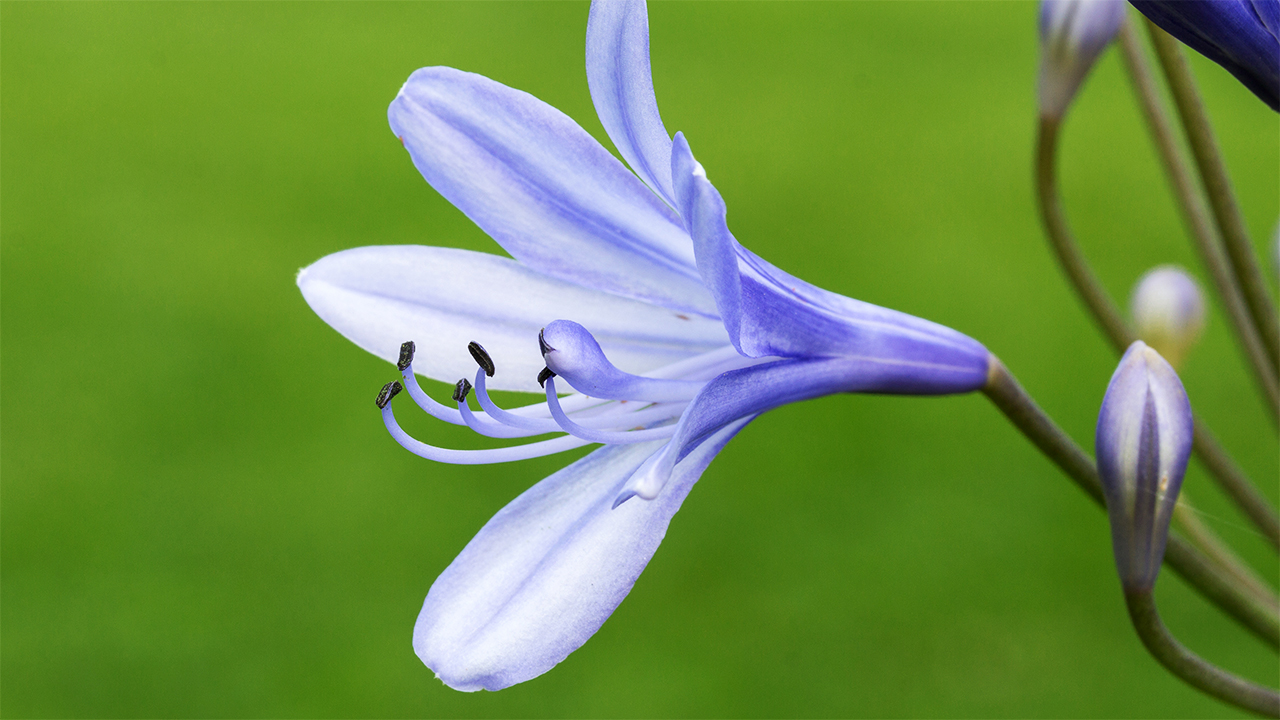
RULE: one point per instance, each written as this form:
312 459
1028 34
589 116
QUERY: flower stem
1218 188
1190 667
1230 478
1194 213
1209 578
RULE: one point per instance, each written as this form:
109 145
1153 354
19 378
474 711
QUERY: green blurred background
203 516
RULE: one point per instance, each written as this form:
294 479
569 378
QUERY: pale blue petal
443 298
543 575
622 89
768 312
544 189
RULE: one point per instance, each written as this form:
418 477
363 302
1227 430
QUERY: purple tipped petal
543 575
768 312
1143 443
444 298
544 189
1239 35
622 89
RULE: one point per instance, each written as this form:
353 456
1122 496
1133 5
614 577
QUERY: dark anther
481 357
544 376
388 391
406 356
542 343
461 389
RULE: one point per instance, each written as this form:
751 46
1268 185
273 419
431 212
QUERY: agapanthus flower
1242 36
626 288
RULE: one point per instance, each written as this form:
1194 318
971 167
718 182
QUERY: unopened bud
1168 312
1073 33
1143 443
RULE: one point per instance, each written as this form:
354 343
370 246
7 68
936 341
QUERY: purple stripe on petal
622 89
543 575
545 189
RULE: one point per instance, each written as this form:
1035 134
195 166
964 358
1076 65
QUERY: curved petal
443 298
1239 35
768 312
545 189
543 575
622 89
749 391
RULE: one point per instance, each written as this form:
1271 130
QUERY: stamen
424 401
481 357
406 356
388 391
486 426
460 390
533 426
545 374
471 457
542 343
602 436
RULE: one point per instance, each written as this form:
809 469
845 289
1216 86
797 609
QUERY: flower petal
768 312
545 189
443 298
1239 35
749 391
622 89
543 575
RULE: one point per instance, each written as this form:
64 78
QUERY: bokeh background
203 516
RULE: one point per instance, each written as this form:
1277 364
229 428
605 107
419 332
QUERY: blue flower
1239 35
1143 444
626 287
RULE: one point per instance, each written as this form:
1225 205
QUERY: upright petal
443 298
545 189
768 312
622 89
543 575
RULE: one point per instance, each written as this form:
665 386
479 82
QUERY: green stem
1212 581
1190 667
1232 480
1064 244
1218 188
1194 213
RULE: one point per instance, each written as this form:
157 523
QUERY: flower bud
1143 443
1073 33
1239 35
1168 311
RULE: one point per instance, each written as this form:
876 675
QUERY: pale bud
1168 311
1143 444
1073 33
